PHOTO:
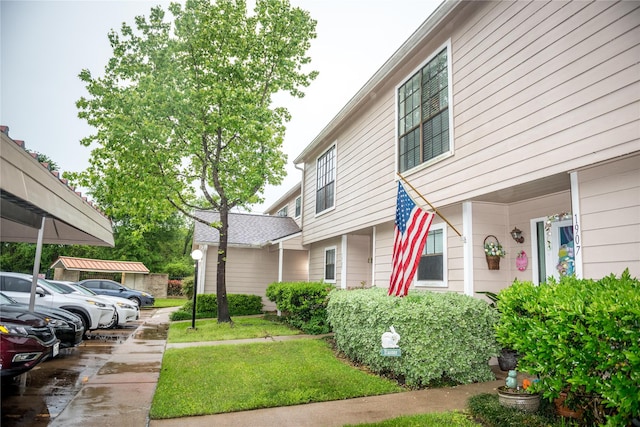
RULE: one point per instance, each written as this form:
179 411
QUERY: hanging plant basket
493 252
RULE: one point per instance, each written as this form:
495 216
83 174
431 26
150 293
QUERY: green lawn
242 327
227 378
449 419
169 302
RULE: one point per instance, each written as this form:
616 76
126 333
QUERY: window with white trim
325 180
432 270
330 265
298 206
283 212
423 114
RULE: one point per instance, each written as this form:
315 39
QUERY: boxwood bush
579 336
303 304
207 306
444 337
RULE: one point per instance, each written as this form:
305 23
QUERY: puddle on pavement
38 396
151 333
119 368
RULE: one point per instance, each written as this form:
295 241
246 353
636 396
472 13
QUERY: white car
126 310
94 313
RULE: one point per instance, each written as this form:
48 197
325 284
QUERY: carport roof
244 229
86 264
30 191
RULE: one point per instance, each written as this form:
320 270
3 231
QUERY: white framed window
298 206
432 270
284 211
425 124
330 265
325 180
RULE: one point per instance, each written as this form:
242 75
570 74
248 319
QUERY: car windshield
84 290
6 300
55 287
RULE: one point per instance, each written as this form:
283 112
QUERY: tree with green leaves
184 111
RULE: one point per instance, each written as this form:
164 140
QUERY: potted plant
522 397
493 252
508 358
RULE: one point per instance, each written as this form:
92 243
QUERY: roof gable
245 229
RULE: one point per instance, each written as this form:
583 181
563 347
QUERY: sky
45 44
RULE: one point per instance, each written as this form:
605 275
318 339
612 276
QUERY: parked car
25 341
93 313
109 287
126 310
66 325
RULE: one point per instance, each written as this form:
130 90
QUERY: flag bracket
430 205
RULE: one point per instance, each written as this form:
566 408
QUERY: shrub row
444 337
207 306
579 336
303 304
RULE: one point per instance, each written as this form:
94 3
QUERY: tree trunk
221 283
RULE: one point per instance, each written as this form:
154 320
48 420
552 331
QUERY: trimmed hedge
207 306
444 337
580 336
303 304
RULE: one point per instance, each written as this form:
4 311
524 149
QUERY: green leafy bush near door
579 336
445 338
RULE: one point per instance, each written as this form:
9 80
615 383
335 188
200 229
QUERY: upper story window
325 180
432 270
423 114
298 206
283 212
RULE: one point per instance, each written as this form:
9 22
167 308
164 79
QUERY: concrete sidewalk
120 394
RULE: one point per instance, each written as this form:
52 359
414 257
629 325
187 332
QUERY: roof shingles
245 229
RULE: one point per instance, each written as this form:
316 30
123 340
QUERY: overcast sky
45 44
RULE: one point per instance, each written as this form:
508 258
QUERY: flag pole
429 203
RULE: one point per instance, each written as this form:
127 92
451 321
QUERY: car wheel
113 322
135 300
85 321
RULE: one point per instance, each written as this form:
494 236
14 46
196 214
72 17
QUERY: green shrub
303 304
444 337
580 336
174 288
187 287
207 306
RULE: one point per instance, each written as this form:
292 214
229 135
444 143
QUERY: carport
37 206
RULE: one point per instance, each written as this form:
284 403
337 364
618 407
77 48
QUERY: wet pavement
38 397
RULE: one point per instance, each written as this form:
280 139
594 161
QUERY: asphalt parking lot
38 396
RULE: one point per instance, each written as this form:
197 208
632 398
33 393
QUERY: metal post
195 291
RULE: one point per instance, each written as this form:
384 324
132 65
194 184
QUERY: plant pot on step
519 399
508 359
565 411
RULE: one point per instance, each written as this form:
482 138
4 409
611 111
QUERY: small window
330 265
325 180
298 206
432 268
283 211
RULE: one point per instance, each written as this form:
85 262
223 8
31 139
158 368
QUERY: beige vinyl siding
249 272
294 268
383 253
540 97
539 88
489 219
316 260
610 217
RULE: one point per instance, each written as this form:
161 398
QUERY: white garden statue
390 339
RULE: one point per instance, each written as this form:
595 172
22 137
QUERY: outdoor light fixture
517 235
197 256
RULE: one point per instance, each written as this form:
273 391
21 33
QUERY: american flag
412 228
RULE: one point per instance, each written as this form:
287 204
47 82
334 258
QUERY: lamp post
197 256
